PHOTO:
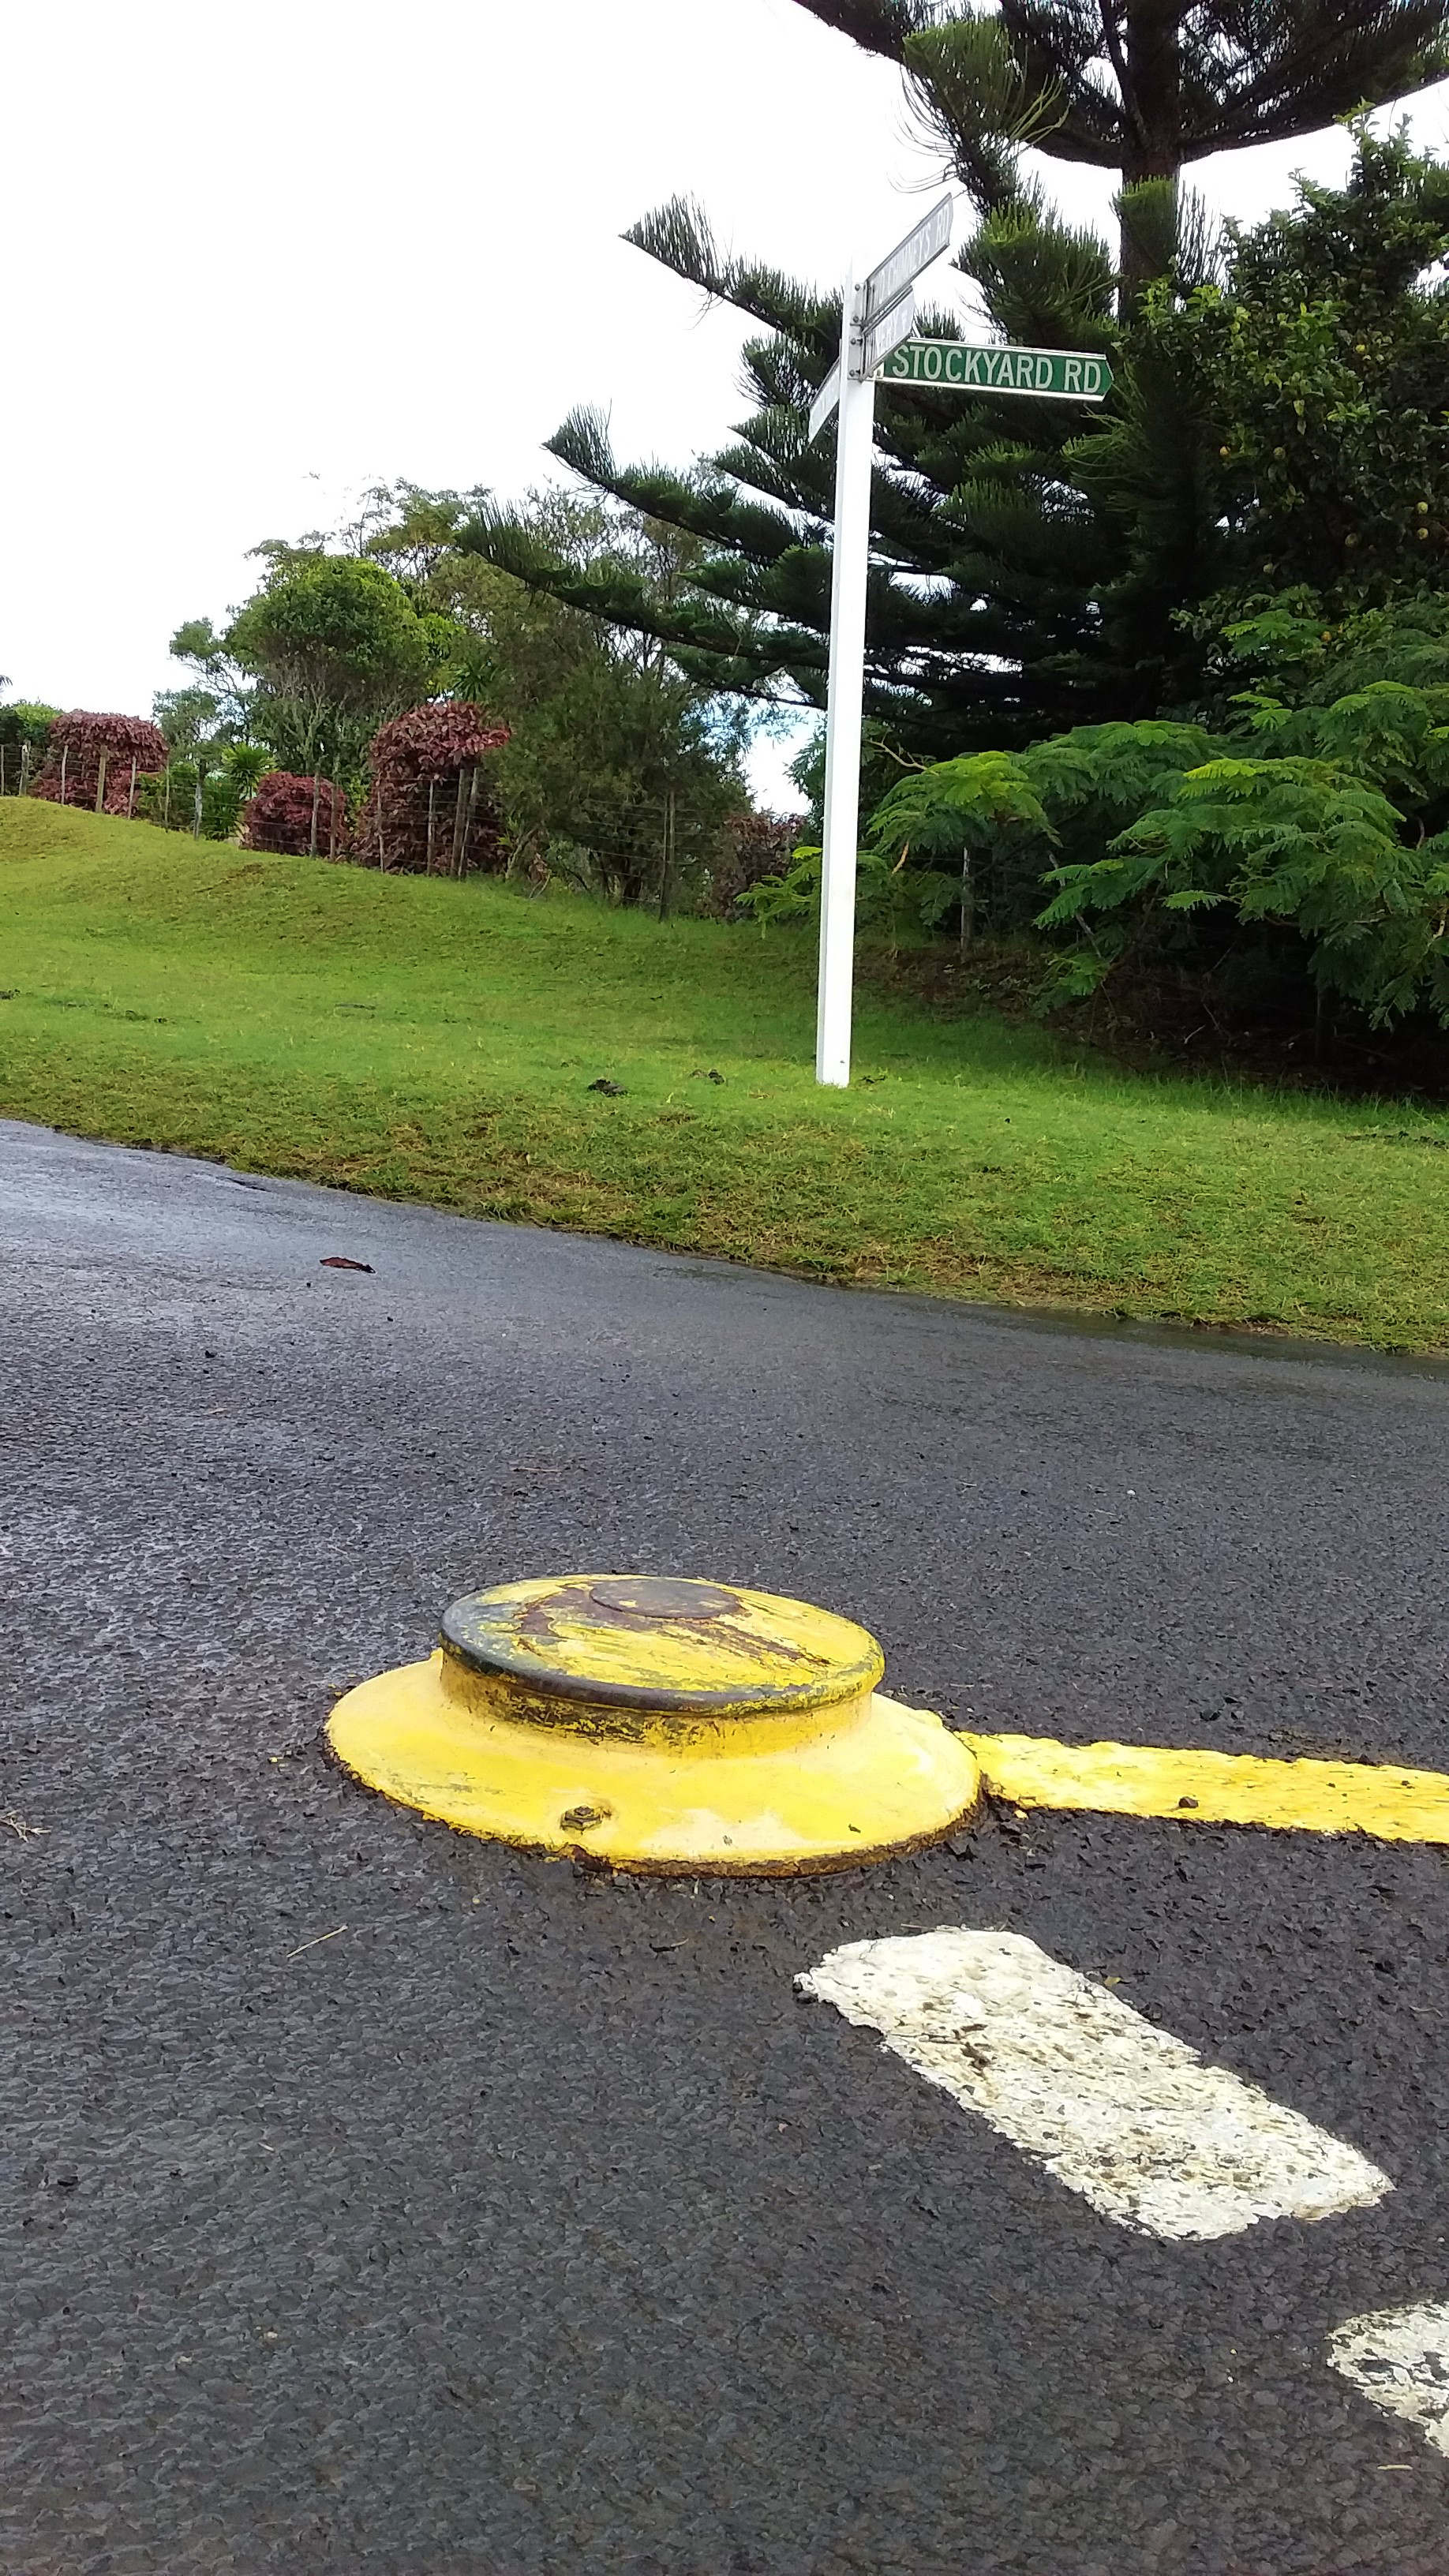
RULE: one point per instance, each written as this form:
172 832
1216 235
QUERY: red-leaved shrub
279 816
430 809
76 743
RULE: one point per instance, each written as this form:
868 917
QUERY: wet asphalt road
530 2226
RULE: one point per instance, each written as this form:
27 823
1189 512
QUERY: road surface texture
385 2202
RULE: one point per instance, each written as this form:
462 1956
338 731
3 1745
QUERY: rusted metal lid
661 1642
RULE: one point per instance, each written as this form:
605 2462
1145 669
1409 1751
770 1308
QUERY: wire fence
107 787
19 763
182 797
644 848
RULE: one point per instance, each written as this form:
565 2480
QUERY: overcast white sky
260 259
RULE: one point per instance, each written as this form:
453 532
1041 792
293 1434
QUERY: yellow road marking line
1397 1805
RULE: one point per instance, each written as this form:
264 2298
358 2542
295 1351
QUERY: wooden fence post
468 818
316 795
101 785
666 870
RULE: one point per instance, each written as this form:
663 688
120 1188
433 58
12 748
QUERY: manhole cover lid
665 1642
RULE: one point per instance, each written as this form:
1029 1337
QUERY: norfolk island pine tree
1020 583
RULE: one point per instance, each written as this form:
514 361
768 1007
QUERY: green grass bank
429 1041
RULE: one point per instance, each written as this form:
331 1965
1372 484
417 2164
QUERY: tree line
1166 682
389 696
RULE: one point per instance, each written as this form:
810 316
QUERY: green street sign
1058 375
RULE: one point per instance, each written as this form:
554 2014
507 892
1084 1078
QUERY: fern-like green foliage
1323 812
883 899
957 805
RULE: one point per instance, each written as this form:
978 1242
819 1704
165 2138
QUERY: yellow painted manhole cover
661 1724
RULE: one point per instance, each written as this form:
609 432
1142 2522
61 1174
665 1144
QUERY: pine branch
679 236
797 478
705 507
1224 73
972 95
1303 72
878 26
780 376
1043 282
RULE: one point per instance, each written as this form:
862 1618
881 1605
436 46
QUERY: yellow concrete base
857 1781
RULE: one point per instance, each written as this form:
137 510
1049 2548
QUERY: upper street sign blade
1055 375
878 340
887 284
825 401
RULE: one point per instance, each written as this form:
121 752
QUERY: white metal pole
854 434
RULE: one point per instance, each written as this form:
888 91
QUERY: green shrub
1321 814
25 721
229 781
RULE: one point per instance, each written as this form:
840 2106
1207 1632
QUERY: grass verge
422 1040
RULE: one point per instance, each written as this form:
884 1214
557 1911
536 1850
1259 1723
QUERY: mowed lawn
429 1041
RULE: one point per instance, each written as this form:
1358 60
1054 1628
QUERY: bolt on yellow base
671 1726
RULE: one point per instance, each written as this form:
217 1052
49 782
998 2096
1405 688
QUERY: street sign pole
876 340
850 565
874 320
